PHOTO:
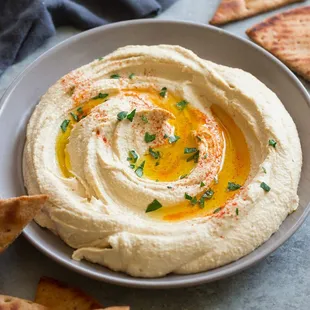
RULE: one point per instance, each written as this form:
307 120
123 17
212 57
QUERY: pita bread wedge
15 214
287 36
10 303
232 10
58 296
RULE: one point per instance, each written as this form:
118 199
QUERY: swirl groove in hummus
158 161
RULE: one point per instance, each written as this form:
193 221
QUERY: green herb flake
115 76
157 163
237 211
154 154
163 92
153 206
149 138
100 58
181 105
133 156
233 186
131 115
74 116
188 197
194 157
208 194
144 119
264 170
173 139
122 115
183 176
101 96
165 136
79 110
132 166
272 143
202 184
189 150
194 201
139 170
217 210
64 125
169 187
201 202
205 156
131 76
265 187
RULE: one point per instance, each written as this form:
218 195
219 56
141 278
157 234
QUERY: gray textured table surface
282 281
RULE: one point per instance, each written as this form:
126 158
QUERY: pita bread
9 303
231 10
287 36
58 296
15 214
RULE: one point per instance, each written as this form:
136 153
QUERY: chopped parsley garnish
74 116
79 110
233 186
217 210
194 157
188 197
265 187
139 170
237 211
153 206
132 166
131 75
202 184
194 201
133 156
183 176
173 139
170 187
131 115
149 138
122 115
201 202
64 125
157 163
101 96
182 104
208 194
154 154
144 119
163 92
189 150
205 156
115 76
100 58
264 170
272 143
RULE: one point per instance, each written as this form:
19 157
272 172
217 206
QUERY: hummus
157 161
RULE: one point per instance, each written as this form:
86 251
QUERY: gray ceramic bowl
209 43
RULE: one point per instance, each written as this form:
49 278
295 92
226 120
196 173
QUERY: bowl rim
162 283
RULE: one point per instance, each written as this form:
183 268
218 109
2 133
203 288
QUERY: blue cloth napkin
26 24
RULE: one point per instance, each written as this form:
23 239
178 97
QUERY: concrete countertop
281 281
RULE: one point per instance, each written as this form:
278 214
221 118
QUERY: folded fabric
26 24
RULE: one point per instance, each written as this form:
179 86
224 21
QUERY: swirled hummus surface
157 161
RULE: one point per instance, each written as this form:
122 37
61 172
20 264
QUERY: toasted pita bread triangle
287 36
56 295
9 303
15 214
231 10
